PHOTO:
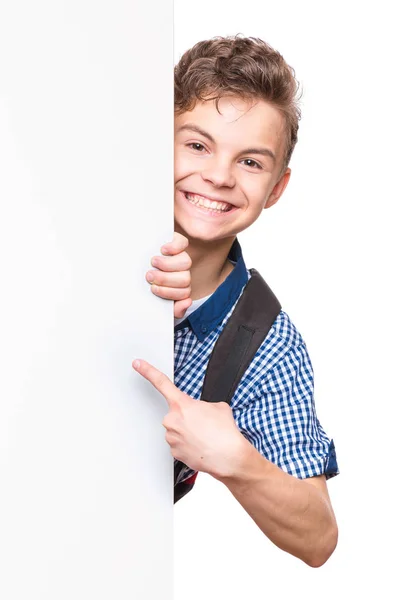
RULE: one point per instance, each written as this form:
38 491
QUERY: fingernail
136 364
150 277
154 262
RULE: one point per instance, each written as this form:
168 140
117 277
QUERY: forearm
293 513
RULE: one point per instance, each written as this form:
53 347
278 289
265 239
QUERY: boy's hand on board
171 277
202 435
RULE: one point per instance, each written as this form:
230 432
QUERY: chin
197 233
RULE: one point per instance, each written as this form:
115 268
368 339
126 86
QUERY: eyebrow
197 129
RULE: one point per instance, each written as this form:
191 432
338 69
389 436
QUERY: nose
218 173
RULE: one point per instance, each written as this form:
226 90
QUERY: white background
86 164
331 250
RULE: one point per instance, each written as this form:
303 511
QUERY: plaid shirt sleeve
279 417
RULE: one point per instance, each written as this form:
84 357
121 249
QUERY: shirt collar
212 312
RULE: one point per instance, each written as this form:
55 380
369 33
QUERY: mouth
207 205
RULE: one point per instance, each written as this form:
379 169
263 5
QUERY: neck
210 265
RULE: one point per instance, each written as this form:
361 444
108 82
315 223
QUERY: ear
278 189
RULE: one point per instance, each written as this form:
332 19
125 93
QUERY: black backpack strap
243 334
240 339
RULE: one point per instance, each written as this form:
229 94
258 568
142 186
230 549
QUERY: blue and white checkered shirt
273 405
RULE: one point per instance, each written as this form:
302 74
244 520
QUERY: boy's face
234 159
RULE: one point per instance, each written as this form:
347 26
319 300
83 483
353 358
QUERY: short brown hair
244 66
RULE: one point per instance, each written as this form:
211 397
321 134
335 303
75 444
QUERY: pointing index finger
161 382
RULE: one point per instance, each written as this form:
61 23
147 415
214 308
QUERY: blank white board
86 114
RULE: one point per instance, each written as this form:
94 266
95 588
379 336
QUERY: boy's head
236 124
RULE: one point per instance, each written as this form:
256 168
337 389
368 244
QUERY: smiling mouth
210 205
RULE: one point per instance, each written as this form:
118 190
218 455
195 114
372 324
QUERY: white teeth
205 203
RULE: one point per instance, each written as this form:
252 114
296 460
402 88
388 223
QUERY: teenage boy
236 123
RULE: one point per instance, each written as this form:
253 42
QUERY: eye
252 163
196 146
